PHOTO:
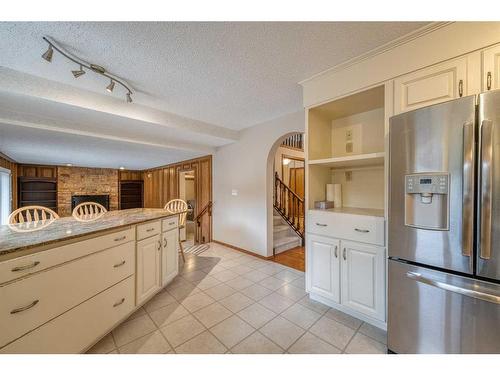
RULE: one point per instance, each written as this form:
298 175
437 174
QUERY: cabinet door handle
488 81
24 308
460 88
159 245
119 302
336 251
165 242
119 264
361 230
150 229
344 255
120 238
321 225
26 267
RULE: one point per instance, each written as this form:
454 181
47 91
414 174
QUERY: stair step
286 241
280 228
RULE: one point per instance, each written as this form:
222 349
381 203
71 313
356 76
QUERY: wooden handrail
287 188
289 205
206 208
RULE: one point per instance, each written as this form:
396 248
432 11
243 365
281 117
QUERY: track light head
48 54
78 73
129 98
111 86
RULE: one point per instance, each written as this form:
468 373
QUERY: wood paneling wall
130 175
7 163
162 184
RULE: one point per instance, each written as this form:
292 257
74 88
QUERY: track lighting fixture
111 86
78 73
48 54
90 67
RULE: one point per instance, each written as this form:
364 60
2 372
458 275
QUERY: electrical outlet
348 135
348 147
348 176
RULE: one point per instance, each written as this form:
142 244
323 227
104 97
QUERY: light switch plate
234 192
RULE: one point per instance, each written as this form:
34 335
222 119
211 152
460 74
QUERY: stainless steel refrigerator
444 228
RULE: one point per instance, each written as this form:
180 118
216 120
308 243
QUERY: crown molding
407 38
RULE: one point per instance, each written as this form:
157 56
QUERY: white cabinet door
148 267
436 84
169 257
491 68
323 273
363 281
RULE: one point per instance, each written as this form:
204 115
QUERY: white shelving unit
355 161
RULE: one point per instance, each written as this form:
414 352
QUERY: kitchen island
66 283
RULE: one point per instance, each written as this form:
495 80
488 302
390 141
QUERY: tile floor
224 301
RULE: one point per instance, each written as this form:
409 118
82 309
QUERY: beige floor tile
225 275
220 291
242 269
198 301
291 292
183 291
239 283
105 345
214 269
256 292
129 331
168 314
206 283
256 276
229 263
332 332
374 332
314 305
236 302
177 282
270 269
256 343
287 276
205 343
272 283
160 300
153 343
276 303
282 332
344 318
232 330
299 283
194 275
139 312
362 344
310 344
301 315
256 315
182 330
114 352
212 314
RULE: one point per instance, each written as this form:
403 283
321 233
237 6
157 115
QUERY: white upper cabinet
491 68
432 85
363 279
323 267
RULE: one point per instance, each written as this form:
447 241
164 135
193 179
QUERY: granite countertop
354 211
19 237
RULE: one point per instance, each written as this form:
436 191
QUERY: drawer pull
165 242
171 223
27 307
120 238
150 229
336 251
321 225
119 302
119 264
344 255
361 230
26 267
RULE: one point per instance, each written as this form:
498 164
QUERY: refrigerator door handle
486 198
453 288
468 189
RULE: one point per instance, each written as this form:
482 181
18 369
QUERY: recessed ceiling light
122 168
69 165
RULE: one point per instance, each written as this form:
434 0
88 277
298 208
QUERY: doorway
187 192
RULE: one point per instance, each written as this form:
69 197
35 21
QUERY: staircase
284 237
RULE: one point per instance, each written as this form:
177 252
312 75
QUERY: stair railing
289 205
206 210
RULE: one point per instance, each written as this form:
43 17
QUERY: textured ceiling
227 74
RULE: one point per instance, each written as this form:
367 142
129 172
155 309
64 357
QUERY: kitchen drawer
360 228
22 266
77 329
148 229
48 294
170 223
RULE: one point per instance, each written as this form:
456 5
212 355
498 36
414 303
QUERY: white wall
245 220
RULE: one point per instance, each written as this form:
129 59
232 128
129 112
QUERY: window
5 195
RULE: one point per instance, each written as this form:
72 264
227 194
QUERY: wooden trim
243 250
292 148
179 164
6 157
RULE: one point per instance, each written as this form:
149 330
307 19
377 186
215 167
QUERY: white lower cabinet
363 278
148 268
169 258
348 275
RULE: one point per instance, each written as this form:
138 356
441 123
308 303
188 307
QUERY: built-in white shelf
360 160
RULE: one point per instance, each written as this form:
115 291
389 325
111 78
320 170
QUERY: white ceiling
197 84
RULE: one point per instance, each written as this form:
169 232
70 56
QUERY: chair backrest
88 211
178 206
32 213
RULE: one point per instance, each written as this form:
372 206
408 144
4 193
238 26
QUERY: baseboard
242 250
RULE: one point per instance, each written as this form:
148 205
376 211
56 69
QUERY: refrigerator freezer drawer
435 312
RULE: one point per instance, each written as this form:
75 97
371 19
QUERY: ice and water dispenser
427 201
